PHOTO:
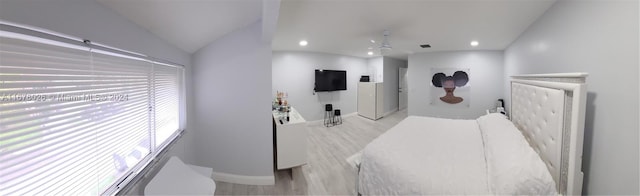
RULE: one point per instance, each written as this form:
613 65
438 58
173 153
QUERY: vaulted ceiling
189 24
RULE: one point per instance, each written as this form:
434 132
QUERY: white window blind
166 97
76 121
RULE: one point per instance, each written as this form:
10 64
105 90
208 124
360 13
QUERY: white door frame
403 89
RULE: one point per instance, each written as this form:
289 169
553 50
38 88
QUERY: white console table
290 140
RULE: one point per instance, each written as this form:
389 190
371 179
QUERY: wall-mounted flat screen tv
330 80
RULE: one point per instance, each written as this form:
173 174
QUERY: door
403 95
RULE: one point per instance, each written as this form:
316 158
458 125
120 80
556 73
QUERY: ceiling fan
385 46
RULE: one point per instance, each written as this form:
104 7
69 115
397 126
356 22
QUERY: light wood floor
327 171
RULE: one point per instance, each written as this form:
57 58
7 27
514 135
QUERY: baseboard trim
240 179
351 114
390 112
321 121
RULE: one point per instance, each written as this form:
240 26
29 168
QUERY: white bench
177 178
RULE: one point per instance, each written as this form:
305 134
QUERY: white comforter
413 159
423 155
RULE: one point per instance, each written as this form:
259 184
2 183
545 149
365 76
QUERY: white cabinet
370 100
290 140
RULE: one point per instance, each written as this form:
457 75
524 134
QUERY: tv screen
330 80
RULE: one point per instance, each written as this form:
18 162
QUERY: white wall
294 73
485 77
601 38
90 20
391 83
232 92
376 69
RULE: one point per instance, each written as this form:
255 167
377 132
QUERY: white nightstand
495 110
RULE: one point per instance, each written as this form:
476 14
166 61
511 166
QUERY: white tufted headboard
549 109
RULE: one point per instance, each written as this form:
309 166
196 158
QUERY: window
166 82
78 120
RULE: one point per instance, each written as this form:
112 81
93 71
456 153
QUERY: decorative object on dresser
280 103
370 100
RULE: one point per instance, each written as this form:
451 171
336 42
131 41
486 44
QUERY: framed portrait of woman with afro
450 87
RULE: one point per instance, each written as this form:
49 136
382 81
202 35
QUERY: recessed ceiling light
303 43
370 53
373 41
474 43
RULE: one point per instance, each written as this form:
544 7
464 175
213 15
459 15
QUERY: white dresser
370 100
290 139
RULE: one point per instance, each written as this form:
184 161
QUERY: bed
537 152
